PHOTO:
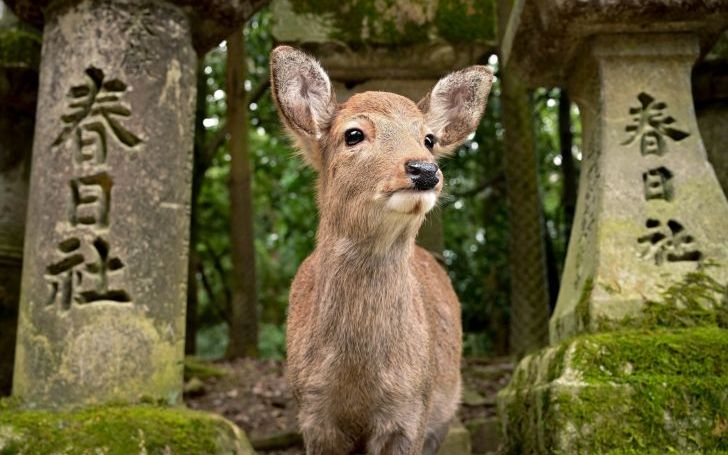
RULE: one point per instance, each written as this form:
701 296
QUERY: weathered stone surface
649 211
120 430
213 20
405 39
457 441
628 392
103 295
543 37
713 123
19 55
485 435
710 89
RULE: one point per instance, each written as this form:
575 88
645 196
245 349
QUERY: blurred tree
243 339
529 285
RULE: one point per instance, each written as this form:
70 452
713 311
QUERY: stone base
143 429
457 441
660 391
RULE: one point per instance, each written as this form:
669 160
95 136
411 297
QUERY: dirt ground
254 394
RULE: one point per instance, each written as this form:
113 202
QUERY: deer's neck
364 293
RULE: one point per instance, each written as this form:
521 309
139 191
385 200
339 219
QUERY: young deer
374 333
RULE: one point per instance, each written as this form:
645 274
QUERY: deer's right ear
304 96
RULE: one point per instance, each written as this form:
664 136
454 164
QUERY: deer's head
376 154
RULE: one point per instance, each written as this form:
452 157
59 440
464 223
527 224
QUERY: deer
373 326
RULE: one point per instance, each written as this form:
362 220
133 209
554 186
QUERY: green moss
403 22
582 307
117 430
696 300
466 20
379 22
198 368
624 392
19 48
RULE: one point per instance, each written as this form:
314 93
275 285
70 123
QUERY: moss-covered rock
121 430
625 392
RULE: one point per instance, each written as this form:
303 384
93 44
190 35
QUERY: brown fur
374 335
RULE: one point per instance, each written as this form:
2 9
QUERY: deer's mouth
411 201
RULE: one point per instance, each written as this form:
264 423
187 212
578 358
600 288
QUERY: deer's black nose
422 174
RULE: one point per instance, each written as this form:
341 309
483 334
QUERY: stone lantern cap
212 20
542 37
403 39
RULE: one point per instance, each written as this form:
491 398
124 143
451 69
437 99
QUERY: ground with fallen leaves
254 394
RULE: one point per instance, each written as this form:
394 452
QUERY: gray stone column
650 207
18 87
103 293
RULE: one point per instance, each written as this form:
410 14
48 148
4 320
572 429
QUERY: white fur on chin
412 202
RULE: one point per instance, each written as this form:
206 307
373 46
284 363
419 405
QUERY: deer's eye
429 141
353 136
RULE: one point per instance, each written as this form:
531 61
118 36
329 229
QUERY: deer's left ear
455 104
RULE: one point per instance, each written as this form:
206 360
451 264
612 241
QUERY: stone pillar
102 308
649 207
18 88
103 293
638 341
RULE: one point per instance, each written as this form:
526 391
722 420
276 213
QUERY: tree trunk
529 287
198 172
243 340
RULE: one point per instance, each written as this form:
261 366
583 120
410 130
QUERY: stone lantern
102 307
638 346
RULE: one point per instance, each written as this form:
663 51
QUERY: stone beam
214 19
360 40
543 37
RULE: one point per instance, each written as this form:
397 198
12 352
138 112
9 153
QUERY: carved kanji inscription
668 242
94 109
651 125
658 184
85 272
